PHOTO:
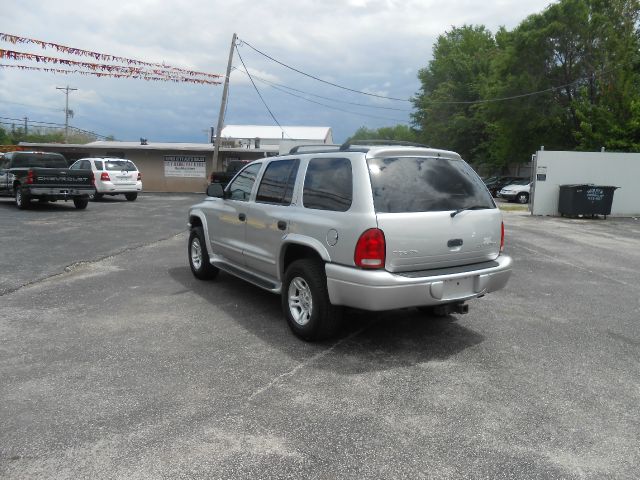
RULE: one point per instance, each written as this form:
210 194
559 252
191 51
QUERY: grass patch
509 207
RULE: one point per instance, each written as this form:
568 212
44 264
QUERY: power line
274 84
319 79
325 105
259 94
433 102
40 124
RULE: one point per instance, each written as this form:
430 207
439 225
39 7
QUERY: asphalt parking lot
116 363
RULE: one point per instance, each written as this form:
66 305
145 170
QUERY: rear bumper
381 290
59 193
111 188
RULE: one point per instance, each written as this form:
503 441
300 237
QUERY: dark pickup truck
225 177
44 176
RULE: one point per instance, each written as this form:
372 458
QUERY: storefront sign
184 166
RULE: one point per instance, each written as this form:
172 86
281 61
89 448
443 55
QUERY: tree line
567 78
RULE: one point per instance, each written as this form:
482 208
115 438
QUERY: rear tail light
370 249
502 236
30 177
104 177
139 177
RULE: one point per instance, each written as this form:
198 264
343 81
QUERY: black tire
305 301
199 256
81 203
523 197
23 201
131 196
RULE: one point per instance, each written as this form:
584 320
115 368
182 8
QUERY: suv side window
276 186
328 184
240 188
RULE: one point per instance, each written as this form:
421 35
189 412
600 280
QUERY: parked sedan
495 184
113 176
518 191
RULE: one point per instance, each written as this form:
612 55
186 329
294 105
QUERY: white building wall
599 168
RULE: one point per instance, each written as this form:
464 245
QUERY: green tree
444 110
397 133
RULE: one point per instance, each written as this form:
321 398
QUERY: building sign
184 166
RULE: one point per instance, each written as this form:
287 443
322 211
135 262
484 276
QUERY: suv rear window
119 165
328 184
425 184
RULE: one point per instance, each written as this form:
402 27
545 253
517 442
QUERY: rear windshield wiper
470 207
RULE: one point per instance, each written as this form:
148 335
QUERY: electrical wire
244 42
40 124
259 94
323 104
427 101
274 84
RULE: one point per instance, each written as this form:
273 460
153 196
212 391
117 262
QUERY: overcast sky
376 46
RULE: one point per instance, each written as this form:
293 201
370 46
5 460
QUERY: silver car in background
369 227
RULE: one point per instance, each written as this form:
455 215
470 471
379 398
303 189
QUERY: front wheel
131 196
199 257
523 198
22 200
81 203
305 301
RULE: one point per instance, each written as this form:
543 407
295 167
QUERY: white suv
374 228
113 176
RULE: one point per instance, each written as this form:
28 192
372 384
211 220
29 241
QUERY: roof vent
143 141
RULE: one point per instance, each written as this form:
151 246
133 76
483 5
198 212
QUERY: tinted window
277 182
328 184
119 165
240 188
44 160
420 184
98 164
85 165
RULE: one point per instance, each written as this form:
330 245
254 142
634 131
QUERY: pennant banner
14 39
141 75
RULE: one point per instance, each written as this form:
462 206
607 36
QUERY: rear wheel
199 257
523 197
22 200
81 203
305 301
131 196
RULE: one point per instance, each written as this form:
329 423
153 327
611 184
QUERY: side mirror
215 190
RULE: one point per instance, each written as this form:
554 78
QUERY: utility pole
66 110
223 105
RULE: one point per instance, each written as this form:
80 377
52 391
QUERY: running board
271 286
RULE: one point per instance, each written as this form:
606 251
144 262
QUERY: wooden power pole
223 106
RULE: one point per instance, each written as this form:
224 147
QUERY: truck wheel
131 196
523 197
22 200
305 301
81 203
199 257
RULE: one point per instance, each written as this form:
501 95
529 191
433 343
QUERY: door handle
282 225
242 217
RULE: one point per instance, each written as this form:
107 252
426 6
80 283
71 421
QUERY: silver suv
369 227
